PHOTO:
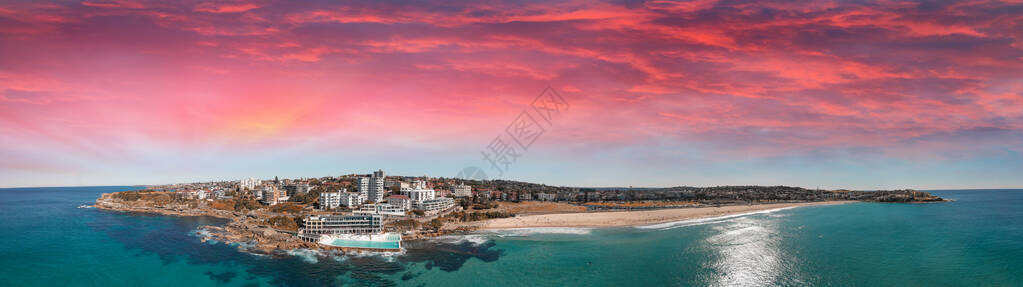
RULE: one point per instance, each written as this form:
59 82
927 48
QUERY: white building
373 187
352 199
525 196
249 183
418 184
330 200
382 209
546 196
434 205
363 187
461 190
199 194
376 189
419 194
400 200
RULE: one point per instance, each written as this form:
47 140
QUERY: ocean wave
201 233
307 255
473 239
707 220
86 206
388 256
514 232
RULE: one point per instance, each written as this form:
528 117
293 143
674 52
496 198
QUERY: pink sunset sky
836 94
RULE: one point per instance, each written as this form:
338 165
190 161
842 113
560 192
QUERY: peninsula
376 212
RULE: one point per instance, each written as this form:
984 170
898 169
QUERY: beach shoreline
633 218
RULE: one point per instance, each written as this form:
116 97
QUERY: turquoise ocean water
45 240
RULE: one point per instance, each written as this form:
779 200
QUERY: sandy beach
633 218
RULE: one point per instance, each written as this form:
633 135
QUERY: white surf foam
474 239
540 230
307 255
707 220
388 256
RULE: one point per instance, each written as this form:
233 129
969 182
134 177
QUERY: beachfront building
546 196
342 224
461 190
434 205
400 200
352 199
381 209
525 196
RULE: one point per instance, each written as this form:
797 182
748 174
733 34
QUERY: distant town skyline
835 94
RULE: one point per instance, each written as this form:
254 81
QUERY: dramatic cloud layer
858 94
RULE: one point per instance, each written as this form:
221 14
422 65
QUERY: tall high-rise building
363 186
374 186
376 189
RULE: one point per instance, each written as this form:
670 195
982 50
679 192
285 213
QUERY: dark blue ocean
977 240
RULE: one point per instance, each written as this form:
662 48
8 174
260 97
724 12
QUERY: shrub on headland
159 198
476 216
406 224
283 222
246 204
286 207
227 205
486 205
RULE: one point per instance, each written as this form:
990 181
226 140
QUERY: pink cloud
776 77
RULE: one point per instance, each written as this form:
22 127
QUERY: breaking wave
307 255
473 239
513 232
707 220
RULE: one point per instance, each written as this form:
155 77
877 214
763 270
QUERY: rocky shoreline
247 229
